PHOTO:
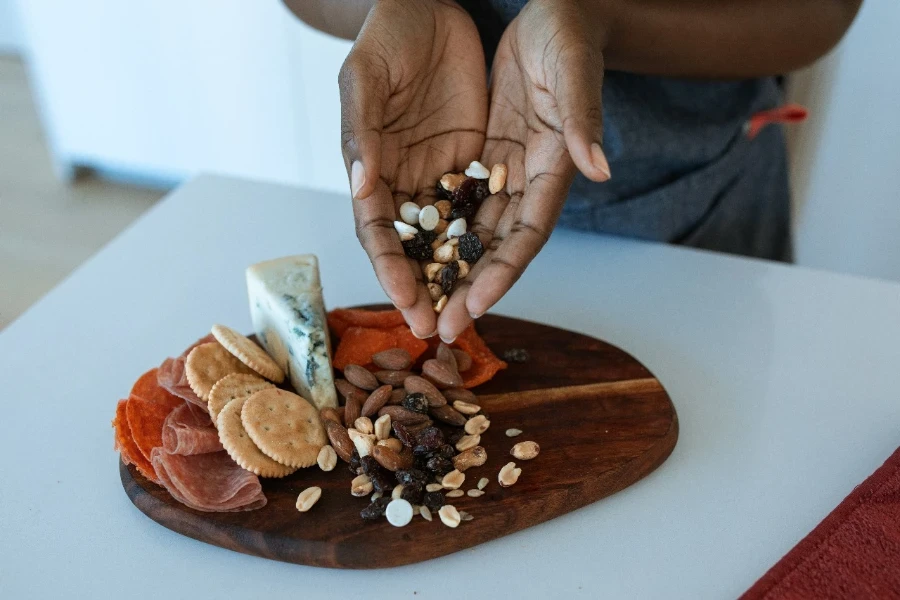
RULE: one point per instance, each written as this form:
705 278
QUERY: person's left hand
545 120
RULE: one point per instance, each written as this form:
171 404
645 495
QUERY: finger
420 317
374 217
578 92
455 317
364 88
530 229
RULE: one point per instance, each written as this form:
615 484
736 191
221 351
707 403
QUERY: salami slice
210 482
172 377
146 411
188 430
125 446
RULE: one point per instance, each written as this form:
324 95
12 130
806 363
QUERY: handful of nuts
437 234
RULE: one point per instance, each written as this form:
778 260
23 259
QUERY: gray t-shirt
683 169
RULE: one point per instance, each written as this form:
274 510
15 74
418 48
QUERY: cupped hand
413 106
545 121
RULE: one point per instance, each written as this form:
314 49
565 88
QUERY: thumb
579 85
364 92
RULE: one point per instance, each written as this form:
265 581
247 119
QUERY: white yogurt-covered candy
456 228
409 213
399 512
478 170
428 217
402 227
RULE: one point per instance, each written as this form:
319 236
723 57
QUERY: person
627 117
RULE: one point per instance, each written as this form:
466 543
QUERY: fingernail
446 341
424 337
357 178
598 159
476 315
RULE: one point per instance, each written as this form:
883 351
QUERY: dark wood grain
601 418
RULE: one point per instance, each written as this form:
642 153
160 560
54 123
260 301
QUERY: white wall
847 157
12 38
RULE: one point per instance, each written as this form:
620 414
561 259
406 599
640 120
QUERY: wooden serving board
602 420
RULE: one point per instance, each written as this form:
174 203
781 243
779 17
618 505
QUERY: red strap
789 113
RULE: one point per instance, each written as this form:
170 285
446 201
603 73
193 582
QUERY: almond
458 393
392 443
473 457
360 377
352 411
392 378
445 354
395 359
397 396
420 385
348 390
403 415
441 374
376 400
340 440
331 414
448 414
389 459
463 360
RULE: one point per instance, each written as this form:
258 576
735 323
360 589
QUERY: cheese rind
288 314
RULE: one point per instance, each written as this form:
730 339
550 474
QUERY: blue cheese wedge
288 315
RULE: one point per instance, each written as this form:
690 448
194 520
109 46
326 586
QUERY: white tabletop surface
785 381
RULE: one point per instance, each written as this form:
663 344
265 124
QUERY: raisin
376 509
433 500
448 276
413 492
482 190
409 476
382 481
439 465
422 451
516 355
446 451
355 465
470 248
369 465
441 193
431 438
417 248
463 211
415 402
466 192
427 236
403 434
455 436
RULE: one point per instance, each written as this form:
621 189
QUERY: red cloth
853 553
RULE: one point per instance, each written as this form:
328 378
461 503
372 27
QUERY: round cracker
248 352
241 448
285 426
207 364
232 387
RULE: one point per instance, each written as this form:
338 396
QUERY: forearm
717 38
341 18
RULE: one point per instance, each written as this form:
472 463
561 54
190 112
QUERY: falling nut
361 486
468 441
482 483
525 450
463 268
441 304
449 515
509 474
466 408
473 457
435 291
463 359
497 179
308 498
451 181
382 427
477 425
327 458
364 425
395 359
431 270
453 479
441 374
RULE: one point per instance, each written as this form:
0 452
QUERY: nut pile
437 234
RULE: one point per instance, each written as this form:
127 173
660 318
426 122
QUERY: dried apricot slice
341 319
131 454
485 363
358 344
146 410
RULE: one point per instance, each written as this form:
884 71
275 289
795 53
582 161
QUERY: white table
785 381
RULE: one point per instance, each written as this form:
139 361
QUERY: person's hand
545 120
413 106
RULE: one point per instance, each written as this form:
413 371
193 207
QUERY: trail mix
410 438
437 234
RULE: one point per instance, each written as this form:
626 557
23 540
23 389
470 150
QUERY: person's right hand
414 106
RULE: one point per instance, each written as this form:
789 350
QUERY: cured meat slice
172 377
210 482
125 446
146 411
188 430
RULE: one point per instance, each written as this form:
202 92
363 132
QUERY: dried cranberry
413 492
409 476
376 509
439 465
415 402
403 434
430 437
433 500
470 247
448 276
